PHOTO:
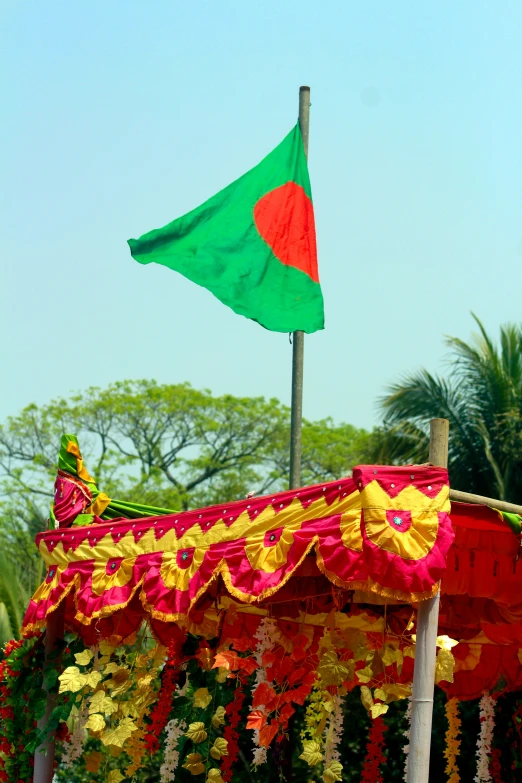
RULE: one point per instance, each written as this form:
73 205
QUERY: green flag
252 244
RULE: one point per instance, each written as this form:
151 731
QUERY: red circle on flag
285 219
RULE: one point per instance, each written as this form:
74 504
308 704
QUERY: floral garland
496 765
487 725
452 740
175 730
230 733
73 748
9 734
265 634
334 731
371 772
406 734
333 768
161 710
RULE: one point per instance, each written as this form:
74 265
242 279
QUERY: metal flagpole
426 647
298 337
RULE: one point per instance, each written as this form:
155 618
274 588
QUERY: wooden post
426 647
298 337
498 505
44 754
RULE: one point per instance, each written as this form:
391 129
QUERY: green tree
169 445
481 396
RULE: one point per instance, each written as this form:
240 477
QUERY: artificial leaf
141 661
205 656
444 666
214 776
144 700
227 660
129 710
193 764
196 732
333 772
378 709
364 675
219 748
120 733
115 776
158 653
299 653
374 661
96 722
106 648
263 694
202 698
83 658
366 697
268 658
409 652
233 662
256 719
119 681
218 719
267 733
100 702
333 671
283 668
296 675
393 691
379 694
144 681
112 667
311 752
299 695
286 713
93 679
391 655
71 680
352 638
446 642
242 644
93 761
321 725
222 674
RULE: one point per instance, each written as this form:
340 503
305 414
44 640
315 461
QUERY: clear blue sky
119 116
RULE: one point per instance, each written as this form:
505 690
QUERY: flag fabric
253 244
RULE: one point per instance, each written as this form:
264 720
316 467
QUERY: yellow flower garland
452 740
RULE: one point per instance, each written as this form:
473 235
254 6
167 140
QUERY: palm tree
482 398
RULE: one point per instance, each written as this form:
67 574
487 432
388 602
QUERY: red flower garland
230 733
7 714
371 772
495 765
160 713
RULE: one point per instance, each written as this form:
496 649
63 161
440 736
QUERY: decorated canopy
383 537
178 622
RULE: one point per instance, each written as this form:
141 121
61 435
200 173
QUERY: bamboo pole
499 505
44 754
426 647
298 337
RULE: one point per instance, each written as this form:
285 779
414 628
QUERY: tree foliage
482 398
